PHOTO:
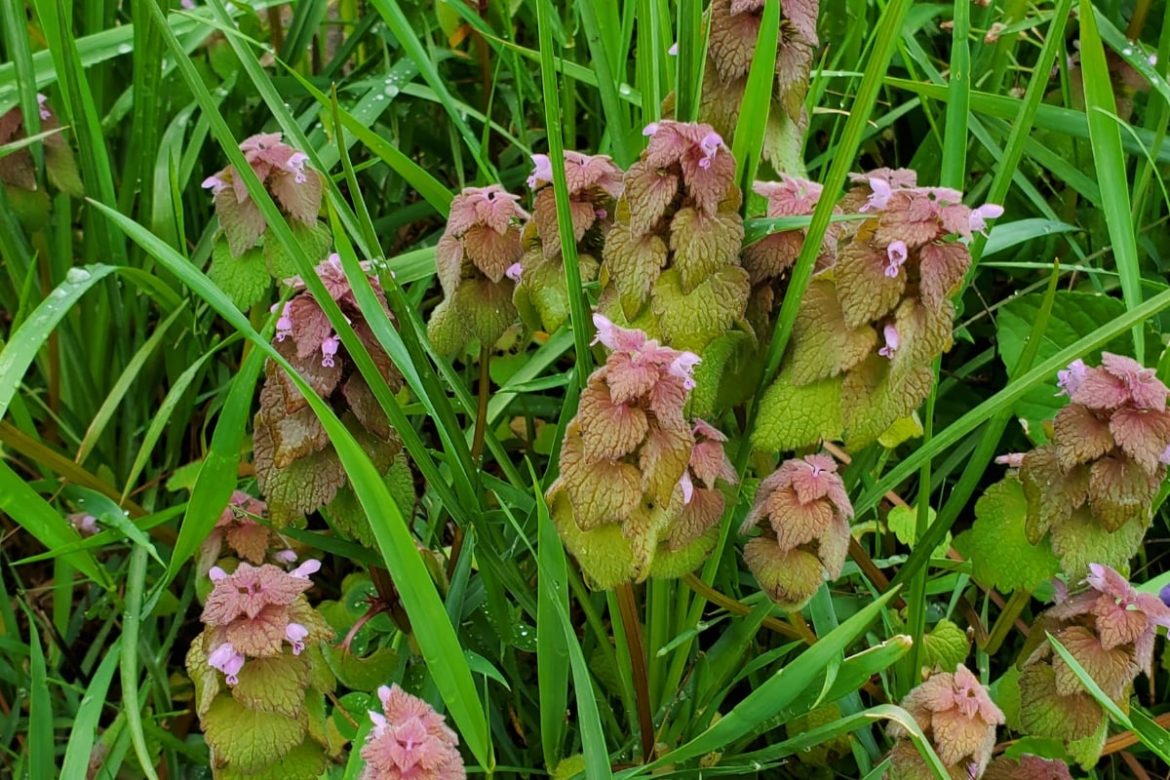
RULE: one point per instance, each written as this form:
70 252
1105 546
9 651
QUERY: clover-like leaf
998 546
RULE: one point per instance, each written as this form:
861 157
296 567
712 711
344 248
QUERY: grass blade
131 626
757 100
88 715
1109 160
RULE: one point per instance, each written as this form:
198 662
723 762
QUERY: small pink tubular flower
541 171
958 717
410 741
514 272
893 341
896 254
806 536
85 523
710 144
1071 378
228 660
879 194
979 217
1012 459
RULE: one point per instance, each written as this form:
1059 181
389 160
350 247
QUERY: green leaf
315 240
903 521
794 416
88 715
945 647
999 550
249 739
362 673
275 684
306 761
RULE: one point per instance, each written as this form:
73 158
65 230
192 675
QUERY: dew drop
77 275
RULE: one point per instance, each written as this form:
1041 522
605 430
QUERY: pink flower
515 270
616 338
410 741
601 213
687 485
329 350
43 106
893 341
683 367
541 172
673 50
879 195
1011 460
249 590
296 166
791 196
650 129
85 523
1164 458
979 216
710 144
295 633
1071 378
1164 594
310 566
215 183
228 660
286 557
1145 390
896 254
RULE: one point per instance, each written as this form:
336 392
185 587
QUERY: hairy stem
628 610
485 391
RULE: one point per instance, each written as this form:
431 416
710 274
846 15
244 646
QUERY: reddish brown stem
637 648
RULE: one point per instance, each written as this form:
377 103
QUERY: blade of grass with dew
399 25
88 715
578 305
436 637
217 476
849 724
776 692
1109 160
690 60
1152 735
131 627
121 387
625 151
20 351
14 26
752 126
41 761
553 667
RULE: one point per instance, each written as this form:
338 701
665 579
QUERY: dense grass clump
408 390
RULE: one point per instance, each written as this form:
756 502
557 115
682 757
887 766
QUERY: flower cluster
1092 485
281 169
238 528
296 466
1109 628
768 260
806 537
871 324
735 27
636 492
255 663
671 261
594 184
476 260
410 741
958 717
1027 768
18 173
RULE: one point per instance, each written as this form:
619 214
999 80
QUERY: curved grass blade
88 715
40 707
436 636
757 100
1109 160
19 353
131 626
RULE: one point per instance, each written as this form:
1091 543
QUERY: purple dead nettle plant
803 512
1090 489
256 664
871 324
594 184
18 173
671 262
1109 628
735 28
410 741
768 260
477 260
639 486
297 469
245 257
240 528
959 718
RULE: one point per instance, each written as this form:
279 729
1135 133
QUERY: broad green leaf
997 546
